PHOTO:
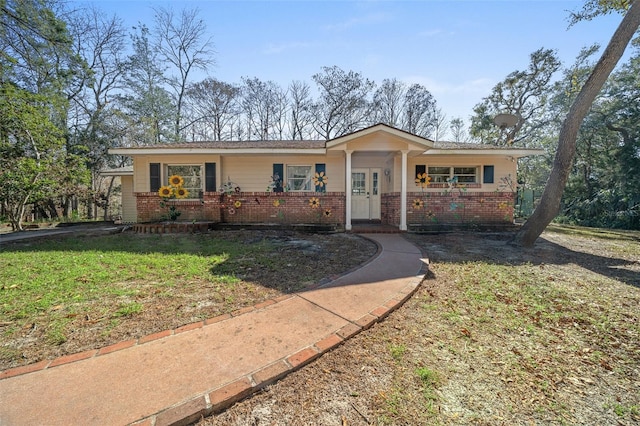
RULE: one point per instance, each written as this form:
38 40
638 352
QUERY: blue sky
457 49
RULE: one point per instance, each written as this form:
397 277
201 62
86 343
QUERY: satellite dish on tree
505 120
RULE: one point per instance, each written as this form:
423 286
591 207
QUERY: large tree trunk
549 205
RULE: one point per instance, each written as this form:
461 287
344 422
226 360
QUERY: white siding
253 173
129 209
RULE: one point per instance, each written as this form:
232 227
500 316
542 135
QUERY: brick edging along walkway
66 359
218 399
79 356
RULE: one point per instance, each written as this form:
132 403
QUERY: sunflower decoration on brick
165 192
278 204
174 190
233 206
320 181
418 204
314 202
327 212
423 180
508 210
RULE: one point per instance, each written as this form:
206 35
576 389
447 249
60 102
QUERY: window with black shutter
210 177
155 180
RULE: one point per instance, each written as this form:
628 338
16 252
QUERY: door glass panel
374 179
358 186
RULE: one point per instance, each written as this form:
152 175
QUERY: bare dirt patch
495 336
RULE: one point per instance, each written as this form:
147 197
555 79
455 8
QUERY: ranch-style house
378 174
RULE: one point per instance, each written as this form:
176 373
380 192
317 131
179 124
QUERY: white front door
365 194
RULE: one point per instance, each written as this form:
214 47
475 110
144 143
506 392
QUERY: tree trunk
51 209
108 198
549 205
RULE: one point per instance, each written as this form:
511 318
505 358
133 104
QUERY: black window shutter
278 177
321 167
210 177
487 175
155 182
420 169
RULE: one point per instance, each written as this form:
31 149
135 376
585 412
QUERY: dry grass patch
496 336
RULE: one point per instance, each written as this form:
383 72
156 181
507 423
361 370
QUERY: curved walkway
176 376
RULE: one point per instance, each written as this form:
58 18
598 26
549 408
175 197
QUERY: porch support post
347 185
403 193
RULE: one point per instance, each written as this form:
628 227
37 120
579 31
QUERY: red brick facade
450 208
294 208
248 207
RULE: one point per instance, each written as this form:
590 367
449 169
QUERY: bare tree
300 109
388 102
214 105
549 204
420 110
440 121
280 112
263 108
101 41
458 131
343 104
180 40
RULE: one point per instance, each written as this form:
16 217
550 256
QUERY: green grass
397 352
129 309
51 282
59 274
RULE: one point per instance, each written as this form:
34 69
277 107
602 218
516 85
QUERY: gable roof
320 147
410 138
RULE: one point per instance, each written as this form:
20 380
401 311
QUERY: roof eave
215 151
516 153
116 172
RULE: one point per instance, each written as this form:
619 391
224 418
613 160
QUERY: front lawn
68 294
495 336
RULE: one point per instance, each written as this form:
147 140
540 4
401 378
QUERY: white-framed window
192 175
300 178
466 174
439 174
443 174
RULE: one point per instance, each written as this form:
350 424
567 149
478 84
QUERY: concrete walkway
176 376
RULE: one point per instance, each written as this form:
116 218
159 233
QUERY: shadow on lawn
285 261
470 247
